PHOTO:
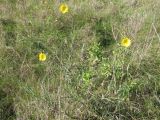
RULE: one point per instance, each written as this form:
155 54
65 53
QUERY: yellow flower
63 8
42 56
125 42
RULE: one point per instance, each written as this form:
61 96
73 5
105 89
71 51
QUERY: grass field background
87 75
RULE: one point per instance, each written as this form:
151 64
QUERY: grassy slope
87 75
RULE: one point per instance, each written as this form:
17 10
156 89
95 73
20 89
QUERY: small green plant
86 76
95 52
105 68
126 88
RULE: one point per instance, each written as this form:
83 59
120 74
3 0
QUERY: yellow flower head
125 42
63 8
42 56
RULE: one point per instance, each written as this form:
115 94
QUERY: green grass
87 74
